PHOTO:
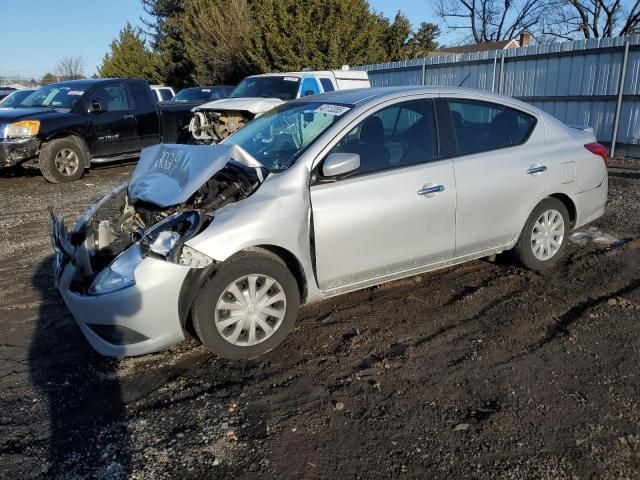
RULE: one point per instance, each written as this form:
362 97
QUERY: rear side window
165 94
327 85
141 97
482 126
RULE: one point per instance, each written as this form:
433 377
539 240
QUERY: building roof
479 47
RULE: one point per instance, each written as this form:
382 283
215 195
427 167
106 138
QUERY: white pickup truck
255 95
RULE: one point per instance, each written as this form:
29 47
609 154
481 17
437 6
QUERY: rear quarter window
482 126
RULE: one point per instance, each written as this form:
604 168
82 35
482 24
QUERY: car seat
373 154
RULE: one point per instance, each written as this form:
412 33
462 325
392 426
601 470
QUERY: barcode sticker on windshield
336 110
291 79
75 92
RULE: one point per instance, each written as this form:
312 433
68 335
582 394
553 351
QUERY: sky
33 39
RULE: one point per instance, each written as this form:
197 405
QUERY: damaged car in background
317 197
257 94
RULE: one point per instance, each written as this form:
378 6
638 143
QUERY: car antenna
465 79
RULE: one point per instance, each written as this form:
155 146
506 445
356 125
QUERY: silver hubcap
547 235
67 162
250 310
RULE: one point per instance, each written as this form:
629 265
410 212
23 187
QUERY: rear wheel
247 307
544 237
61 160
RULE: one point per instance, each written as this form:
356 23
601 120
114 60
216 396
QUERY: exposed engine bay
173 195
209 126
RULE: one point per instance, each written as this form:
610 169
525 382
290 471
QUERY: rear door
501 169
146 115
112 131
397 212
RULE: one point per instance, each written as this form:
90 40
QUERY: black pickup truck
64 128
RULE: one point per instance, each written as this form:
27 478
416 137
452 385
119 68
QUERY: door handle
430 188
128 116
533 169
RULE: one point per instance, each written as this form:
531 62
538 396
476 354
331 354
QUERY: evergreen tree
290 35
423 41
215 34
166 29
396 38
130 58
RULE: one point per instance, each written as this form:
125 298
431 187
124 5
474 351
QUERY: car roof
361 96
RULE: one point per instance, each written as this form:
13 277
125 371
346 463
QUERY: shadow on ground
81 389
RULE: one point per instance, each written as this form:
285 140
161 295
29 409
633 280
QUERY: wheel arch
76 138
196 277
571 206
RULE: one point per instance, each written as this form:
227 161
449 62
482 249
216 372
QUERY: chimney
525 37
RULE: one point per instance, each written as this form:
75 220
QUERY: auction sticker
336 110
75 92
291 79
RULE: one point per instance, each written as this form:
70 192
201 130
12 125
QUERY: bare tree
491 20
70 68
570 19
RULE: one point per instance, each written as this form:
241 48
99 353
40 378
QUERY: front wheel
61 160
544 237
247 307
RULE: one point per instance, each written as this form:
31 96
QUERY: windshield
15 98
285 88
280 136
53 96
192 95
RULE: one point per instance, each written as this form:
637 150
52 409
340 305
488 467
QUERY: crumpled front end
215 121
122 268
14 151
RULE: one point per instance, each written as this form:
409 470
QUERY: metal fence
592 83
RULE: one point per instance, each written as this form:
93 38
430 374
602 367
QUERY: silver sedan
321 196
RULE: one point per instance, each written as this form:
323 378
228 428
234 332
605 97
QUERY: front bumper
139 319
17 150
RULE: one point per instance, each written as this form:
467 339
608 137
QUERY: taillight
599 150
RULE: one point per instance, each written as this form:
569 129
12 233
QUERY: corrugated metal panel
583 68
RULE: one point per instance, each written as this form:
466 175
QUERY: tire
231 339
547 249
62 160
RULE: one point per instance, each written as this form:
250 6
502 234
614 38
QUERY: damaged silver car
321 196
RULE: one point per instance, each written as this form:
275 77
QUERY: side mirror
96 106
308 92
340 163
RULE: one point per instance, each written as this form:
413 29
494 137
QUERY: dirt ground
484 371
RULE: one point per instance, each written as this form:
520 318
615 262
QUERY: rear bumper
17 150
591 204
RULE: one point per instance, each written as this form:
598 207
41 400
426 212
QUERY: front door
111 131
397 212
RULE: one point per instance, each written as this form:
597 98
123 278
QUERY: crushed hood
254 105
170 174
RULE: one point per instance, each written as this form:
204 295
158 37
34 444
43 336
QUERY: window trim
316 178
452 139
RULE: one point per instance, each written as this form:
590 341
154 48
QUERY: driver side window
112 97
400 135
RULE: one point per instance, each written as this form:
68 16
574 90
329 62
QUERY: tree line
187 42
221 41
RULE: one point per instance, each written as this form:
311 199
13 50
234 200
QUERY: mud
484 370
